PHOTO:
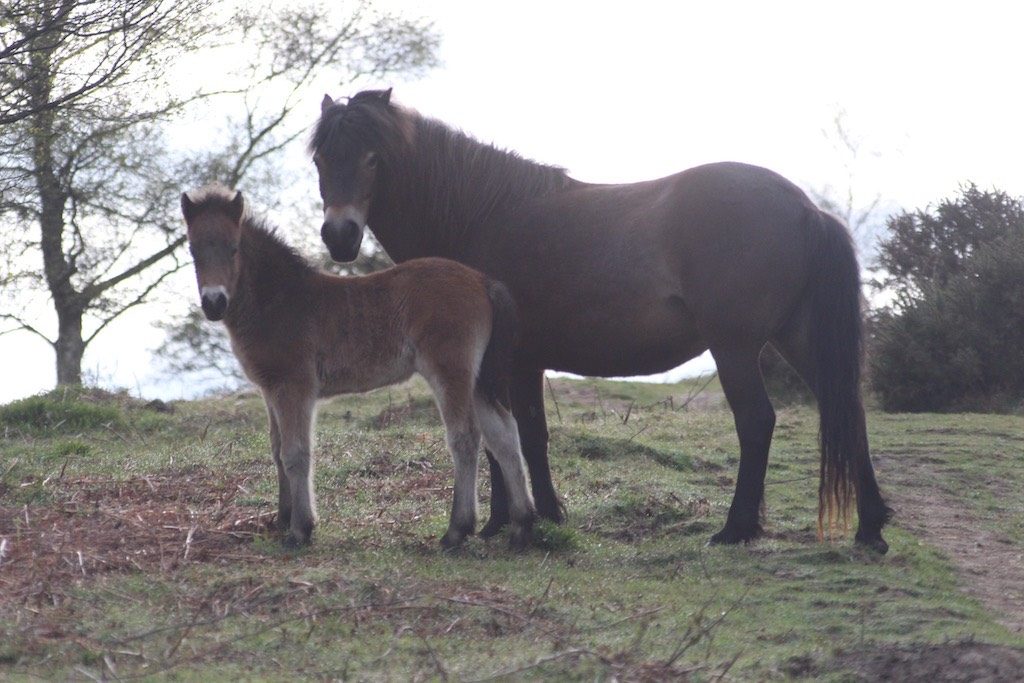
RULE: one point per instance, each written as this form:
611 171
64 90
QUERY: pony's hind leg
501 436
294 411
498 518
740 375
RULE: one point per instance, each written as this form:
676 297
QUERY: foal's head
347 146
214 228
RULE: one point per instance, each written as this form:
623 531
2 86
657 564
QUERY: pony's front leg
294 409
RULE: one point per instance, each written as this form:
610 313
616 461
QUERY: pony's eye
371 160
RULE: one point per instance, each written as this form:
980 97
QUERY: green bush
959 345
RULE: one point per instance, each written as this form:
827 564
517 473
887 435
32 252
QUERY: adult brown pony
301 334
615 280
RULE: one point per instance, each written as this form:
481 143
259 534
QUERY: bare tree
859 213
89 182
82 161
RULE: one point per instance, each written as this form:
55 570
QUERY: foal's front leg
284 494
294 409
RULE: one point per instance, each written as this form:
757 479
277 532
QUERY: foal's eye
371 160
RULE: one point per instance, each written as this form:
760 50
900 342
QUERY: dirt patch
990 566
637 517
965 661
92 526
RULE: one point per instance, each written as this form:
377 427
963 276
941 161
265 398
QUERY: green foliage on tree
953 339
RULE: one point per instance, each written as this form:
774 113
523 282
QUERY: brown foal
301 334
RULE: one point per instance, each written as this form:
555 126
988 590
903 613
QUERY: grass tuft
58 411
548 535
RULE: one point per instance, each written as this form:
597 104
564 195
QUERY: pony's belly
616 346
625 361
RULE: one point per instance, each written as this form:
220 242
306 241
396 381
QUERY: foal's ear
237 207
188 207
385 96
326 103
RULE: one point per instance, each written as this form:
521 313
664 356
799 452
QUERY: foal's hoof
733 535
452 539
873 542
493 527
520 536
292 541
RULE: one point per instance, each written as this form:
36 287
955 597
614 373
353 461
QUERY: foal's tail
496 366
837 342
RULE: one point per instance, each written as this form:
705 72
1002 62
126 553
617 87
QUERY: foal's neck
274 283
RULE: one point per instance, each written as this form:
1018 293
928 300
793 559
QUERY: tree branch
22 325
96 288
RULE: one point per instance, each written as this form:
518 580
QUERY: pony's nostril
349 228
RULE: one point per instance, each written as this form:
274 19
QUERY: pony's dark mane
449 181
473 180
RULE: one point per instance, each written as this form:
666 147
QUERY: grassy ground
134 546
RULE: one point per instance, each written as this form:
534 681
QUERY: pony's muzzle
342 239
214 301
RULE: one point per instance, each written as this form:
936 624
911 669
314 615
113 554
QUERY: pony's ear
237 207
385 96
326 103
188 207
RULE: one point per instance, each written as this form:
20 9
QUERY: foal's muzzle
215 302
342 239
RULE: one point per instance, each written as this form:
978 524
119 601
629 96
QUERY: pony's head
350 145
214 221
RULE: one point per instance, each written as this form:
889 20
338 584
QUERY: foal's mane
435 170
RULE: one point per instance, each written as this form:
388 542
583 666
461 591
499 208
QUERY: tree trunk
69 348
53 197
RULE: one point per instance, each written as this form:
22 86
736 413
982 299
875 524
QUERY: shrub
958 345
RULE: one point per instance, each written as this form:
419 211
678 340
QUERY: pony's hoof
733 535
493 527
553 510
873 542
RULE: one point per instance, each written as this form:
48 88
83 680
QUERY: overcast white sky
617 92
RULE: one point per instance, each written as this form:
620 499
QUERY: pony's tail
837 339
496 367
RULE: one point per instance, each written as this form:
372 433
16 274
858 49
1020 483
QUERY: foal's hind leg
453 390
740 375
501 436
